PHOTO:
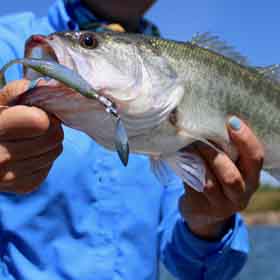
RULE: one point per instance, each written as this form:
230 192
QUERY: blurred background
253 28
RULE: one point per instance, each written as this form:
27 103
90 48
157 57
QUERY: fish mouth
37 46
51 48
45 48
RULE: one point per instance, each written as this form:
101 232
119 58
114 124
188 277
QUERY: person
70 210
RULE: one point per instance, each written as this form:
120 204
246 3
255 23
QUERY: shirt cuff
206 251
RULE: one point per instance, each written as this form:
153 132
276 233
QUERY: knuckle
257 157
39 119
245 137
209 186
24 185
8 176
5 157
232 179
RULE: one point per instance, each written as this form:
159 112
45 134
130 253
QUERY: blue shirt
92 218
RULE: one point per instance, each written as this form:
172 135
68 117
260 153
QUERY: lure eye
88 41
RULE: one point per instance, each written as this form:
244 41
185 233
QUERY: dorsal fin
271 72
212 42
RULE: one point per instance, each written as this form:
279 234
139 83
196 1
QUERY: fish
168 94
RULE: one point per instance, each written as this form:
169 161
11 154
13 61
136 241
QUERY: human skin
31 140
229 186
25 130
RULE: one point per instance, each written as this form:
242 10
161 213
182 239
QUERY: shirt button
71 25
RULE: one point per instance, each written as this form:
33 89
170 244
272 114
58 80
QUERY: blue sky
251 26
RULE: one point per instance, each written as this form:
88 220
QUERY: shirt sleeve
189 257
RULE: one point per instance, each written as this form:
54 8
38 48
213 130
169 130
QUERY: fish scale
240 88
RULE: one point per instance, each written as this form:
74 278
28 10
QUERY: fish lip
39 41
48 48
52 50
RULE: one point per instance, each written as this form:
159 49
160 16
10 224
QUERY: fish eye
88 41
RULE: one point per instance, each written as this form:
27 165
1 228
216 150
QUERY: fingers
226 173
193 202
24 164
14 89
236 183
205 219
24 149
214 194
11 171
27 183
30 141
228 186
251 151
22 122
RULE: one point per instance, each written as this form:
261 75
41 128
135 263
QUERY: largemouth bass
168 94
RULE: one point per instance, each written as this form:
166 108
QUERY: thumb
14 89
250 149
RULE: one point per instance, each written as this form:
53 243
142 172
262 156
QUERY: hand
30 141
228 188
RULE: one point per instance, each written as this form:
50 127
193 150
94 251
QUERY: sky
251 26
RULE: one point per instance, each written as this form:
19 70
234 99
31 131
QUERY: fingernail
234 123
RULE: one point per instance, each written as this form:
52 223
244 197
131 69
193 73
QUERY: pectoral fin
189 167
